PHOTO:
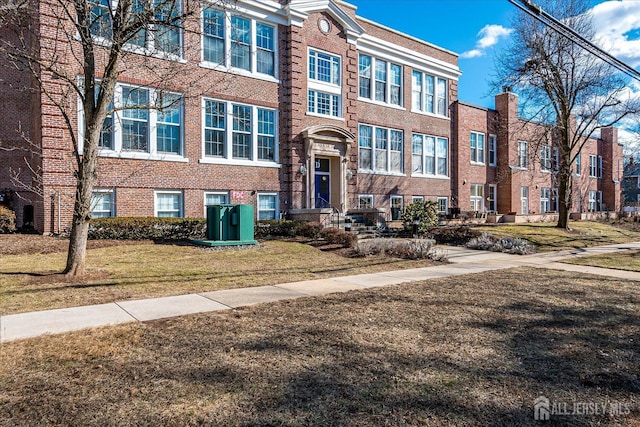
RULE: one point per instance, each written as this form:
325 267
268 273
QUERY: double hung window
380 149
325 90
238 42
239 132
429 94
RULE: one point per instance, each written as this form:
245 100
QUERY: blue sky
476 29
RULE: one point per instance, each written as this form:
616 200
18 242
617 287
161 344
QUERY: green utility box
229 225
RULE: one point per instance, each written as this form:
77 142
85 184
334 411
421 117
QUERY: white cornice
298 10
408 36
419 61
265 9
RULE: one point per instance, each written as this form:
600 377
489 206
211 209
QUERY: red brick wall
20 157
467 119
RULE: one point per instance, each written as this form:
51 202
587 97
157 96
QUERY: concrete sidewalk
463 261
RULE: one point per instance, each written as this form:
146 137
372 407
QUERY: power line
538 13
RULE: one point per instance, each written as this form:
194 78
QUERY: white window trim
396 197
545 198
366 197
277 203
155 201
600 167
372 99
493 201
325 87
423 94
593 201
253 48
417 199
492 147
424 155
228 159
526 156
578 164
524 200
446 204
214 193
148 50
477 160
110 191
545 158
116 151
593 166
475 199
373 170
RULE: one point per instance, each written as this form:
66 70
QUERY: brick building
505 164
300 108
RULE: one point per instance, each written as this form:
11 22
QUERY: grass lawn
547 237
629 260
29 268
466 350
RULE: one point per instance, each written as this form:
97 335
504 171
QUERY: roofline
479 107
400 33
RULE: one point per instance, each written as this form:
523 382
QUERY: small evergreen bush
425 213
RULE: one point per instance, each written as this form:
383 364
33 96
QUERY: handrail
326 204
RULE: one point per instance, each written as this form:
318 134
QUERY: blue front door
323 183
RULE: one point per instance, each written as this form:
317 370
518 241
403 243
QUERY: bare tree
77 50
563 86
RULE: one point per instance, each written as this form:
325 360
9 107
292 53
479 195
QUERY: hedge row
289 228
7 220
143 228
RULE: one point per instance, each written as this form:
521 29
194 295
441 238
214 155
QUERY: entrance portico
326 150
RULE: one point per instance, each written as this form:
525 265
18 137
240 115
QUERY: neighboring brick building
631 183
505 164
301 108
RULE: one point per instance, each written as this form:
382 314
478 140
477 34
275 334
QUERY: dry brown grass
629 260
467 350
547 237
118 271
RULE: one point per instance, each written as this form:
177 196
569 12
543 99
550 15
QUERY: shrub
514 245
507 244
7 220
337 236
408 249
311 230
424 212
287 228
484 242
142 228
452 234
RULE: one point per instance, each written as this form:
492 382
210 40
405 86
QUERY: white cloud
489 35
617 26
474 53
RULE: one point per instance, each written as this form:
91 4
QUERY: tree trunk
565 193
86 176
77 247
